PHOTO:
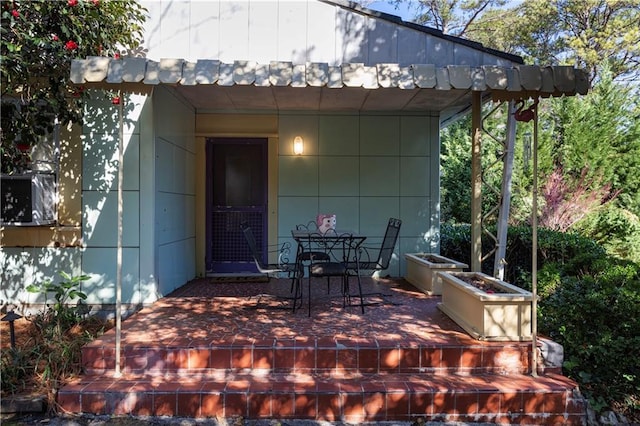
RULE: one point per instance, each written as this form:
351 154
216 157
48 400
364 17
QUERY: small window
29 196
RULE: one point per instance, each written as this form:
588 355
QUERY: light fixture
298 145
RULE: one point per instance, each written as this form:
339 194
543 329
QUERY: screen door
236 192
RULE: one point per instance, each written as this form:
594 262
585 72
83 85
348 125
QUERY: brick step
514 399
312 356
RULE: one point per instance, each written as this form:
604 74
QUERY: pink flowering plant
39 40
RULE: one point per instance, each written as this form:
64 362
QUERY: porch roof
247 85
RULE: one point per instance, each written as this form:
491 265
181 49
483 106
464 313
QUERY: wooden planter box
487 316
423 268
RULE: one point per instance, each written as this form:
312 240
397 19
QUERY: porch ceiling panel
440 100
392 99
344 99
291 98
246 85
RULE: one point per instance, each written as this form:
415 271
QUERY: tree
600 132
601 32
585 33
39 40
529 30
450 16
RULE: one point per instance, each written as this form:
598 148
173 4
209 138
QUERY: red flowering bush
39 40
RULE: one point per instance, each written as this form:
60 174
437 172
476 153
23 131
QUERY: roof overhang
211 85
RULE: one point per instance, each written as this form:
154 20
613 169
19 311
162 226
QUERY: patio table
327 255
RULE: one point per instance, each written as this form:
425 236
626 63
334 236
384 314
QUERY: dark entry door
236 192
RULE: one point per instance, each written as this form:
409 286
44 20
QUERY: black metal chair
306 255
363 261
324 255
274 270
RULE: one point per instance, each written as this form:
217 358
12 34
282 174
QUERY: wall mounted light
298 145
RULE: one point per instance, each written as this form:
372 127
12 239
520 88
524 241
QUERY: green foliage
601 32
61 314
553 246
600 133
16 366
39 40
593 309
456 169
586 33
455 161
451 17
51 353
588 301
616 229
529 30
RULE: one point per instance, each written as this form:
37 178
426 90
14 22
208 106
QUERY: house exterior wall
100 199
31 255
299 31
365 168
174 163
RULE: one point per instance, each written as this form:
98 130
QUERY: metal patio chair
274 270
370 259
327 257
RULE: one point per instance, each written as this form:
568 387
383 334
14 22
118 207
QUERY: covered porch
219 350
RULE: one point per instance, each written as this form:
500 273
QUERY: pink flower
15 13
71 45
72 3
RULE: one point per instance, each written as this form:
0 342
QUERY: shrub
617 229
51 353
594 312
589 302
553 246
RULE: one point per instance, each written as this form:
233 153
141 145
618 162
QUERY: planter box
423 268
503 315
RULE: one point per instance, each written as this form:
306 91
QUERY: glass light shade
298 145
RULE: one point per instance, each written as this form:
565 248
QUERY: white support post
505 201
117 372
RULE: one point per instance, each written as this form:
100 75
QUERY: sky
402 11
407 9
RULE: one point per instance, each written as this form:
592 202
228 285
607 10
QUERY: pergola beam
476 183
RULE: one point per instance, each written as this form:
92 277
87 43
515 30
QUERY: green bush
593 310
589 301
616 229
553 246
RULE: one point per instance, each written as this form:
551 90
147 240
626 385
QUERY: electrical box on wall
29 199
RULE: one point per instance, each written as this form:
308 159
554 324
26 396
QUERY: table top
338 233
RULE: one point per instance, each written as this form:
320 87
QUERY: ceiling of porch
210 85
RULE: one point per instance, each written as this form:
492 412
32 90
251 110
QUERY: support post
476 182
505 200
117 372
534 251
